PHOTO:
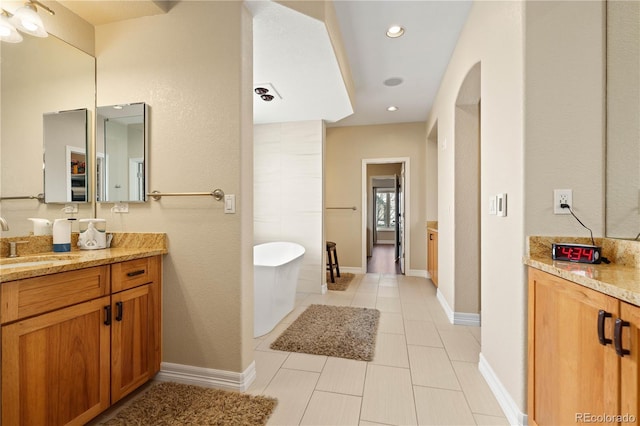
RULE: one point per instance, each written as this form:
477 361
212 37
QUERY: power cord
567 206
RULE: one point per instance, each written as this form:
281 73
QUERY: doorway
384 189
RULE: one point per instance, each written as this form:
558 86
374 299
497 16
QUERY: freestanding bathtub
275 267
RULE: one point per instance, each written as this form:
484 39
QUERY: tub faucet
4 224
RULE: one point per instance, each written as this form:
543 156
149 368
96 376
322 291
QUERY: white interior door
400 240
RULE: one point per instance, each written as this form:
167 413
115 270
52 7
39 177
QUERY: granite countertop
432 225
125 247
620 278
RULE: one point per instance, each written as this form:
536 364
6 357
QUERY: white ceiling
419 57
293 53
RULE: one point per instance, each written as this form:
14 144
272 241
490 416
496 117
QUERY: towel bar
218 194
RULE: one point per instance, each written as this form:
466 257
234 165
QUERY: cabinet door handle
118 311
601 317
617 337
107 315
134 273
430 237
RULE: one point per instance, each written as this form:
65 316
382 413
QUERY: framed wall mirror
40 76
65 156
122 153
623 120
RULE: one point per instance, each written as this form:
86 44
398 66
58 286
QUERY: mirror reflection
65 156
39 76
121 153
623 119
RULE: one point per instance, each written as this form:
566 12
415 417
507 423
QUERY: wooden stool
331 248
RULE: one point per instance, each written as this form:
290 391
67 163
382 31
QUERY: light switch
501 204
230 203
492 205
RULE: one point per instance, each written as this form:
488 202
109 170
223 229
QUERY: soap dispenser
62 234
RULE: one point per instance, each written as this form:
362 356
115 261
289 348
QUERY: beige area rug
339 331
342 282
169 403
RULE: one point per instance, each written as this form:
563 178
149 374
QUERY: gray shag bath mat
341 282
339 331
176 404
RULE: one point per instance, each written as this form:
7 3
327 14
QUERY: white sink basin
29 261
33 263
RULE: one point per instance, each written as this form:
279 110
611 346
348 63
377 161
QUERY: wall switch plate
562 196
229 203
120 208
70 208
501 204
492 205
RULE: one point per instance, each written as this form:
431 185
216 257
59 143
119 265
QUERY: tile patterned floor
425 370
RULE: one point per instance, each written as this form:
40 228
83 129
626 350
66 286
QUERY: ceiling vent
266 92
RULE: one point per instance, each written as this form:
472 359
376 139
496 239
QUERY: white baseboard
465 318
509 407
445 306
457 318
325 288
417 273
207 377
353 270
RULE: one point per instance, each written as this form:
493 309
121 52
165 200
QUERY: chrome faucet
4 224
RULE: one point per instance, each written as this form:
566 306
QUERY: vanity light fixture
8 32
392 108
27 20
395 31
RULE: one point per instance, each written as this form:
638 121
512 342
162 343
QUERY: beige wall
541 97
193 67
565 64
493 36
346 147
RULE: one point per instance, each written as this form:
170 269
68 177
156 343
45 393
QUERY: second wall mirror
122 147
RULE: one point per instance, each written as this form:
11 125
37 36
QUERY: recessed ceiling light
393 81
395 31
392 108
117 107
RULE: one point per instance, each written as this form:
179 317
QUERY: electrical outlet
70 208
120 208
562 196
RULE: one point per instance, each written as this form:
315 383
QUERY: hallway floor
425 370
383 260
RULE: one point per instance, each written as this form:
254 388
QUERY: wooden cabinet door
570 372
629 371
432 257
55 367
131 340
435 259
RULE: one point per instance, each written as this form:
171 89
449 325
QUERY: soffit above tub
294 53
99 12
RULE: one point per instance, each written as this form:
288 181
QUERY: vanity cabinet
71 346
574 370
135 329
432 255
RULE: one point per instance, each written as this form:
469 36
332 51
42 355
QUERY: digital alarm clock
579 253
